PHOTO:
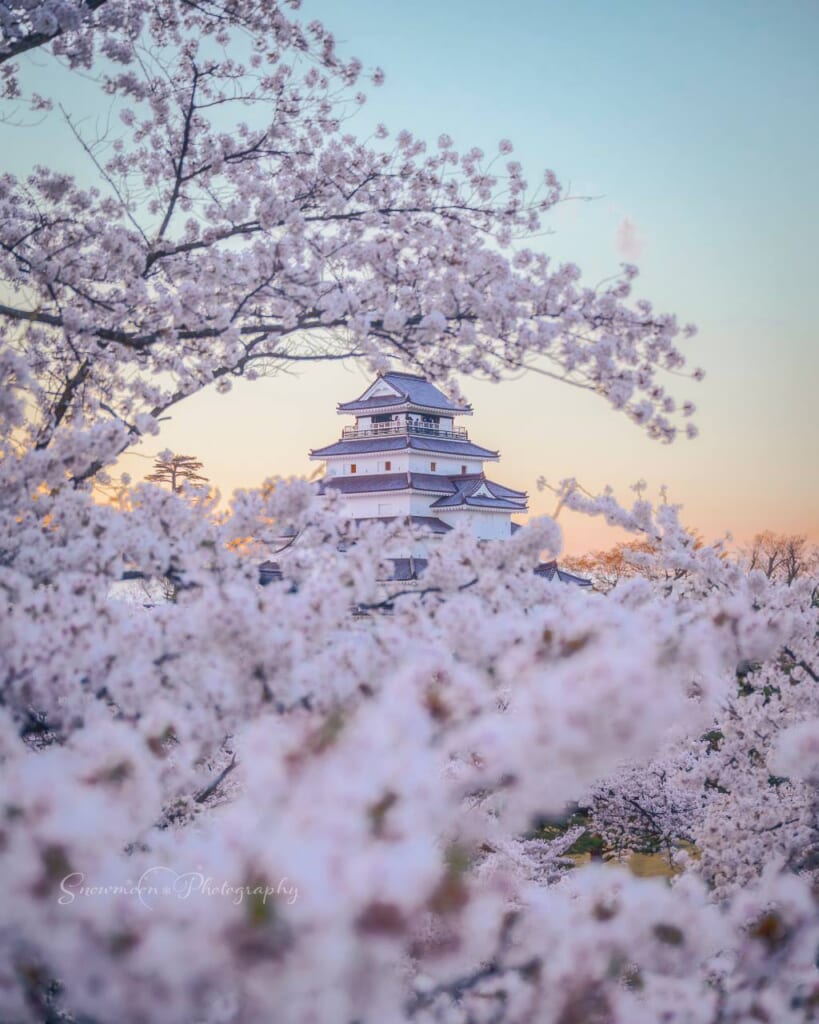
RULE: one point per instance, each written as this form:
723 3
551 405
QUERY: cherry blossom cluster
318 800
235 226
312 799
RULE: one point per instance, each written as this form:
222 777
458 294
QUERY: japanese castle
405 458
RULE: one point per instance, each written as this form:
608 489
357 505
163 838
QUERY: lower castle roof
429 523
473 490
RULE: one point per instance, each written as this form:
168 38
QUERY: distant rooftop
551 570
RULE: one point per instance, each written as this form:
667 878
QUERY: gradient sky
696 125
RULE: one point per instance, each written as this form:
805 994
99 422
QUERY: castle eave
374 406
405 442
485 504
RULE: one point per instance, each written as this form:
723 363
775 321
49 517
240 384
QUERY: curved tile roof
366 483
401 442
409 389
478 492
455 490
461 500
435 444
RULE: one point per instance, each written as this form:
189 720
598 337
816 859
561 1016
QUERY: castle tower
406 458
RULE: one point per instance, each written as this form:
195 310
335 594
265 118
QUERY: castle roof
461 500
394 391
393 443
478 492
473 491
430 523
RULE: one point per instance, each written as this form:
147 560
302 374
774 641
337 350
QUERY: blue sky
696 126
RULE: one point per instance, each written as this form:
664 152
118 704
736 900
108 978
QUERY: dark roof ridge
404 373
490 484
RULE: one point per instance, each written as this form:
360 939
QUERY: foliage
621 562
785 557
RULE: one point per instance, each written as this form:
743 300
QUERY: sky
694 127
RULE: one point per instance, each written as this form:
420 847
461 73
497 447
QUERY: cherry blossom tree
234 227
621 562
313 801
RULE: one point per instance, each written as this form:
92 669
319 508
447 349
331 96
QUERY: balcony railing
389 429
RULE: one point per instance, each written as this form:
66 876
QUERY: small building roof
401 442
550 571
395 390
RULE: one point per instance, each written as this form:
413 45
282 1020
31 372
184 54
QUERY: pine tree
176 470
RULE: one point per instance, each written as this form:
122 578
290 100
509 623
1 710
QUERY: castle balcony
385 429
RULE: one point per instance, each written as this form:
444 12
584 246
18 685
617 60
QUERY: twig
208 791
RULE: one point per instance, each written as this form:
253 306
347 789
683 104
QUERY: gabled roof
459 501
496 489
401 442
478 492
396 390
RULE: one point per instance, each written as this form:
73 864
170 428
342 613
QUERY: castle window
463 470
433 466
352 467
387 465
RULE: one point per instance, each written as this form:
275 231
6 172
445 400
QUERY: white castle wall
367 506
446 465
403 462
484 525
374 462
